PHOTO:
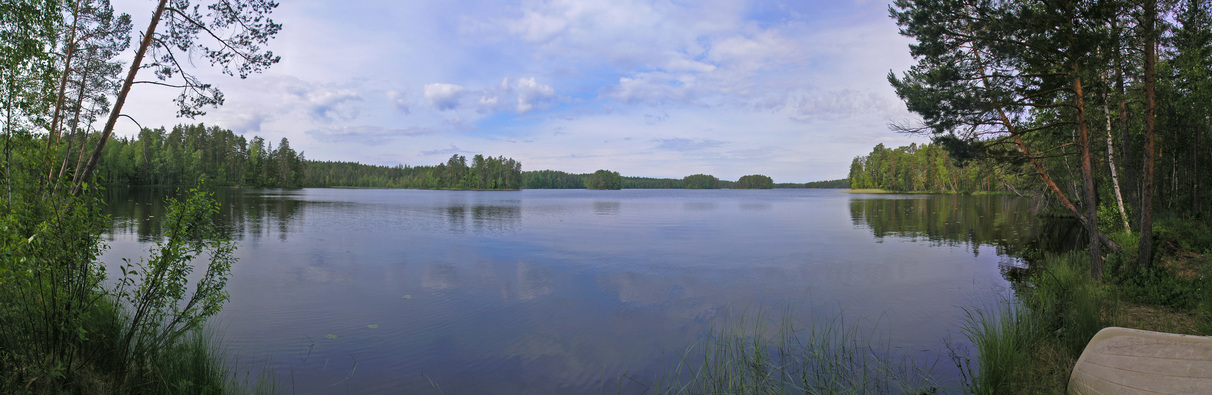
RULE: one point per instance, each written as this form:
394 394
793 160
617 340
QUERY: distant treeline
842 183
929 168
188 153
605 179
483 173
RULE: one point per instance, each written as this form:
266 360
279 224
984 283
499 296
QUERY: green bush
62 332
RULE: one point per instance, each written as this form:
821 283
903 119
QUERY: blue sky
793 90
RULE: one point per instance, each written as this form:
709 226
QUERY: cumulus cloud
444 96
364 134
522 94
685 145
532 95
327 104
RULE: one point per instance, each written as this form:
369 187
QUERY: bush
61 331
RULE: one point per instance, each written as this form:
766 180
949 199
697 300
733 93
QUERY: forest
188 153
827 184
1110 124
930 168
483 173
1099 110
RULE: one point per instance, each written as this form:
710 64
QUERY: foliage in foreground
62 331
1030 344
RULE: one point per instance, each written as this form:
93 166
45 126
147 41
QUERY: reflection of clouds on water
533 281
318 270
756 206
606 208
584 291
440 275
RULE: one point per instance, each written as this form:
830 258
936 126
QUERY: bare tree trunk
1119 197
1083 132
82 177
70 49
1131 185
1145 254
67 154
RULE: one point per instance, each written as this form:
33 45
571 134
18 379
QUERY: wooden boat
1133 361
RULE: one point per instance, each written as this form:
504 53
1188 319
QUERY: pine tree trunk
1083 133
70 49
83 177
1145 254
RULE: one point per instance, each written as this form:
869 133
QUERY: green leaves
164 307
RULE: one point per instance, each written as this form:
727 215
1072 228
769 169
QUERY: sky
653 88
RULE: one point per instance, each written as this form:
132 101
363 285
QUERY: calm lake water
567 290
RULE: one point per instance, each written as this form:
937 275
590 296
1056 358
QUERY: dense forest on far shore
828 184
930 168
483 173
187 153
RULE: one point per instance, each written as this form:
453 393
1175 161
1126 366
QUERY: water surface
565 291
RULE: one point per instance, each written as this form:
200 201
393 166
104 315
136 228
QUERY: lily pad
330 336
372 326
407 297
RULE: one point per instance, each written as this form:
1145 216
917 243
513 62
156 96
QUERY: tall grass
757 353
1027 343
1004 337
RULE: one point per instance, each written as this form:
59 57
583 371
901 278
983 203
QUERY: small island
753 181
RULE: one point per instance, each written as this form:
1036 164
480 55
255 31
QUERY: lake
567 291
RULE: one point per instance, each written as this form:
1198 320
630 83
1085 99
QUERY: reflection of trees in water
242 212
483 218
1003 222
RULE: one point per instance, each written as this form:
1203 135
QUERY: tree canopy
753 181
604 179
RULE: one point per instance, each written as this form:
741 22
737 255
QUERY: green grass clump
1004 337
1028 344
758 354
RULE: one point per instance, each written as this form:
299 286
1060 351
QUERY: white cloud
647 87
399 101
444 96
532 95
327 104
